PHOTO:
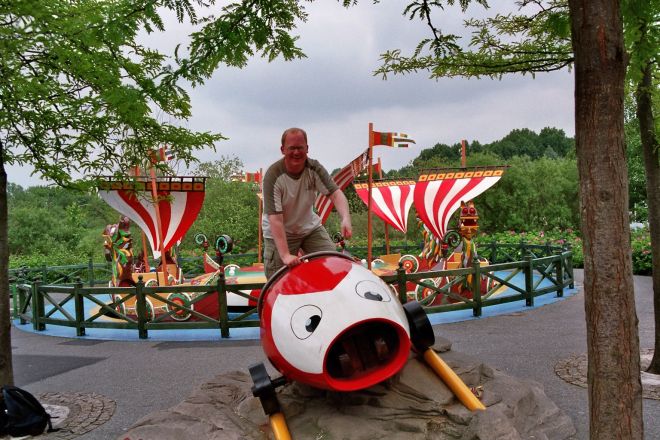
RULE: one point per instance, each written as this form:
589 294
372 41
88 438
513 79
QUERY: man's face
294 151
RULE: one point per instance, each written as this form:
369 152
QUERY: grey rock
441 345
414 404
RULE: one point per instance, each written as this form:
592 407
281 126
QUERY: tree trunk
614 385
6 370
650 149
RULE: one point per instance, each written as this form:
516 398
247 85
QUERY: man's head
294 148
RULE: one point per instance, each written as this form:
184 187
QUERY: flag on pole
246 177
165 154
396 140
323 205
376 169
252 177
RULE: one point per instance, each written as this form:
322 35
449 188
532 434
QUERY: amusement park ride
331 322
165 207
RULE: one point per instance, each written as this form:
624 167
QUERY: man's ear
282 148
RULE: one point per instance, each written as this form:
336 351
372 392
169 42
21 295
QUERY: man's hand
290 260
346 228
341 204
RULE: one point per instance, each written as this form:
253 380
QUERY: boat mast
161 242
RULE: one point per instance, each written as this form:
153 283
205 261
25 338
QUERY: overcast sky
333 94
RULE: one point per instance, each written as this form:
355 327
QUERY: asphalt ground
146 376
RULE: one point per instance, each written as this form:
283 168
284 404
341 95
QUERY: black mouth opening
362 349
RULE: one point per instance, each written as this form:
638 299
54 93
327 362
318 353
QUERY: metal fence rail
44 304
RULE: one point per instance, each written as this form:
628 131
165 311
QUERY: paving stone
77 413
573 370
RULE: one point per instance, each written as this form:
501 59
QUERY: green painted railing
44 304
94 273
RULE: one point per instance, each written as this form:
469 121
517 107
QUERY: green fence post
401 283
37 307
560 276
523 248
569 266
141 305
14 300
493 252
529 281
80 307
476 287
222 305
20 297
34 306
90 269
21 304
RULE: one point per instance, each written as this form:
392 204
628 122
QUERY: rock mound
415 404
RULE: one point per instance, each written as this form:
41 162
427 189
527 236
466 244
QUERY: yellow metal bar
278 425
451 379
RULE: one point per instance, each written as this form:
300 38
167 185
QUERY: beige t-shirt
294 196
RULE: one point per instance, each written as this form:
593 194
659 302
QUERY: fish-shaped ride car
331 323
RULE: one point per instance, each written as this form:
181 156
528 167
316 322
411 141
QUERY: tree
615 404
540 42
591 38
643 37
229 206
78 92
223 169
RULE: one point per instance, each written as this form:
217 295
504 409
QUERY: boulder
414 404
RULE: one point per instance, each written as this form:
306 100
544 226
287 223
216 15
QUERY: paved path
145 376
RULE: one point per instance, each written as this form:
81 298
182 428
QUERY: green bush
641 252
54 258
640 243
564 238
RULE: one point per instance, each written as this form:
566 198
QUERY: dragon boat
164 208
436 195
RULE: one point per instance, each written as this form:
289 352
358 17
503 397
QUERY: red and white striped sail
439 193
323 205
391 200
179 201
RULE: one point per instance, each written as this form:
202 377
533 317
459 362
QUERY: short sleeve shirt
294 196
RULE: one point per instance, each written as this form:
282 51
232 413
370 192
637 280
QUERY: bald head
293 130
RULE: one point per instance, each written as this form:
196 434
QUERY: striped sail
179 201
323 205
391 200
439 193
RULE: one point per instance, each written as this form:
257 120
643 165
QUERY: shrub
641 251
640 244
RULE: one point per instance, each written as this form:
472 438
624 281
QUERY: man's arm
276 222
341 204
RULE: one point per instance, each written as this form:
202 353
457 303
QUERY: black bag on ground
22 414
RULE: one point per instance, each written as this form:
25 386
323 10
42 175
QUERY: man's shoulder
315 166
275 170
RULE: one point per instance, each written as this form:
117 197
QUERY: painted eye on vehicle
372 291
464 211
305 320
473 211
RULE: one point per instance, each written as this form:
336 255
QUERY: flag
376 169
246 177
165 154
396 140
252 177
323 205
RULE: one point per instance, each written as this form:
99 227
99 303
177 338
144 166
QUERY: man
289 188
